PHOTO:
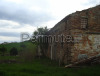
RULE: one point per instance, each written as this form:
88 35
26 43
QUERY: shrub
23 45
3 50
13 51
27 56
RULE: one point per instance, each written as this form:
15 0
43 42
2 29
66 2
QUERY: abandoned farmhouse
84 28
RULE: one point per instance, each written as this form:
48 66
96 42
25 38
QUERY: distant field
28 46
26 51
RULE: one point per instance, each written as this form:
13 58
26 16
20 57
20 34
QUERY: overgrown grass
40 67
46 67
8 57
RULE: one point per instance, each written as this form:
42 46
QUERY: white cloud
10 26
61 8
12 30
15 1
9 39
26 15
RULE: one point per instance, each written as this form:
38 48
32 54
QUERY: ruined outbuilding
82 29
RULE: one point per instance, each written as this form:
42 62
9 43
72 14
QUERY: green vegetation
26 63
41 39
3 50
28 45
46 67
8 57
13 51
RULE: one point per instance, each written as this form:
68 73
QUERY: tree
3 50
35 33
0 49
13 51
41 31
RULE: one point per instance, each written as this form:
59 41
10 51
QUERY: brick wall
84 28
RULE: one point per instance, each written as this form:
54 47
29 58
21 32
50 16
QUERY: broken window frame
84 22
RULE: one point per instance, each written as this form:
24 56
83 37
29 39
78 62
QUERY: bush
13 51
27 56
3 50
23 45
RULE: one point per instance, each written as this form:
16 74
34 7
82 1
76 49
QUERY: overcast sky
17 16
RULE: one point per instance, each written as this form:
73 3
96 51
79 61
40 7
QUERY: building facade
76 37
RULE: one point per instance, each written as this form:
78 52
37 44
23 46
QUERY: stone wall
84 28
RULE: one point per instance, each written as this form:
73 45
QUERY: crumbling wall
87 40
86 36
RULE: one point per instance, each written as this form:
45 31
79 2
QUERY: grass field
28 46
40 67
46 67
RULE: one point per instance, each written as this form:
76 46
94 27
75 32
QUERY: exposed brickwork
88 36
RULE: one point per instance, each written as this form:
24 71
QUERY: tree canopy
13 51
3 50
40 31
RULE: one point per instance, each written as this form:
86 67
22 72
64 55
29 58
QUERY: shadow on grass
2 73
